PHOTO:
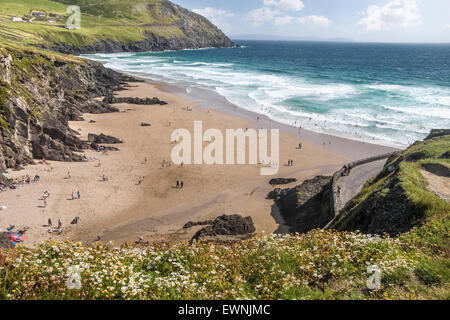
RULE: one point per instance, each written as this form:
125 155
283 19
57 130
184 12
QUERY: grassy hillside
398 199
113 21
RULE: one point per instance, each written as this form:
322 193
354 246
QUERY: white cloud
395 13
447 26
283 20
315 21
217 16
274 12
261 15
285 5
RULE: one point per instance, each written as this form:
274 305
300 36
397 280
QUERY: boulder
226 225
280 181
147 101
102 138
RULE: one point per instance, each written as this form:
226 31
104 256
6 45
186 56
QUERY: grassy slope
433 234
114 20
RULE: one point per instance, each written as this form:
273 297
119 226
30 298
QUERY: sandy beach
121 209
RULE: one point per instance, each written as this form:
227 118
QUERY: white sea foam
396 115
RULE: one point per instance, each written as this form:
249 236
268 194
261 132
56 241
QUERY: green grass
318 265
112 20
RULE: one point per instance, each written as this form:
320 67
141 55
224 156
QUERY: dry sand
121 210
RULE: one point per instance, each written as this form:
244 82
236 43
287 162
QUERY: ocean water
391 94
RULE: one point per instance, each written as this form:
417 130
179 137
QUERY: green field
113 20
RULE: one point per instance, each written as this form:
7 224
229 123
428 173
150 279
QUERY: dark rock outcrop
223 227
102 138
393 214
146 101
38 100
446 155
306 206
281 181
438 133
191 224
5 242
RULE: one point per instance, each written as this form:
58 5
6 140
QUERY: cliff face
114 26
39 94
399 198
305 207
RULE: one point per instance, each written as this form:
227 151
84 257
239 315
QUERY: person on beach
59 223
49 222
178 184
140 181
73 195
68 174
78 194
181 185
45 203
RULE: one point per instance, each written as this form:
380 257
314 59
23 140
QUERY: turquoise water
391 94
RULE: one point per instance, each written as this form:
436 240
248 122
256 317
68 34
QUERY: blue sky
359 20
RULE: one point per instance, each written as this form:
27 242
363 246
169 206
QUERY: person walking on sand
73 196
68 174
181 185
140 181
59 224
49 222
45 203
78 194
178 184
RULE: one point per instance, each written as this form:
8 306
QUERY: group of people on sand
58 229
17 237
19 182
180 184
78 196
140 180
290 163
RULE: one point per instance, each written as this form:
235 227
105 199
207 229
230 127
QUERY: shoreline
208 99
121 210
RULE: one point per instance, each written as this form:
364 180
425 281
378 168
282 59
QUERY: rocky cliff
39 93
305 207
